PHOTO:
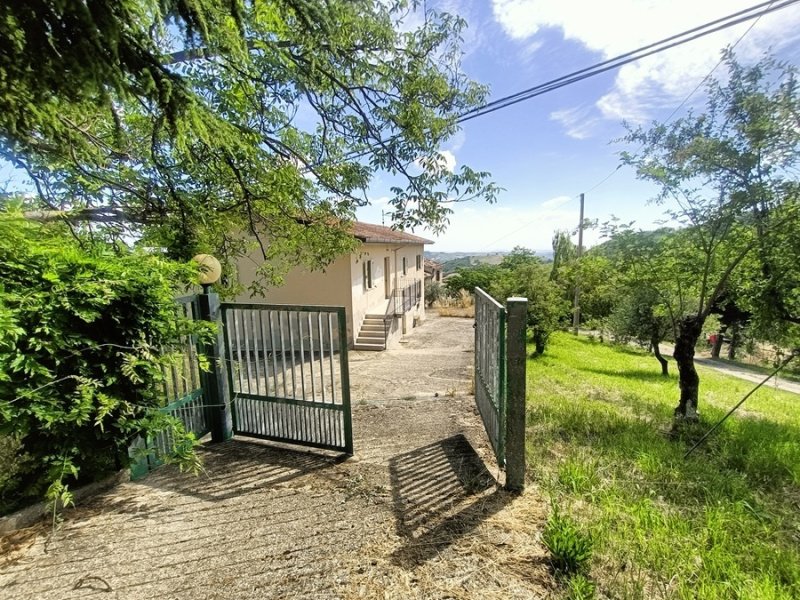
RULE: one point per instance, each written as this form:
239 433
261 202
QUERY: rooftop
378 234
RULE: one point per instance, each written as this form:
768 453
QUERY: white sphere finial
210 269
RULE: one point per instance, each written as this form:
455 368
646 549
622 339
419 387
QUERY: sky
544 152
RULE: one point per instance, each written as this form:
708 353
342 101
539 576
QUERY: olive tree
728 178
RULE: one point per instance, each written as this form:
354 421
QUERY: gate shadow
237 467
429 485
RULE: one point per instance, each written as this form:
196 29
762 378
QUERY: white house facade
381 286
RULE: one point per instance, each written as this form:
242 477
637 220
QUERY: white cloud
445 160
613 27
578 122
449 160
482 228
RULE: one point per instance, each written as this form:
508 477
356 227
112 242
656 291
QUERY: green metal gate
288 373
184 397
490 369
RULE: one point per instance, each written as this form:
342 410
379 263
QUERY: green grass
724 523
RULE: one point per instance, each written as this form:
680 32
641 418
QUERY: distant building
433 271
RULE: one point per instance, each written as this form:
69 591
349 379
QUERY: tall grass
723 523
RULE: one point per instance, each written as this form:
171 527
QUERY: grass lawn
724 523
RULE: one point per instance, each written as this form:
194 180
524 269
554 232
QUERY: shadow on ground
238 467
429 485
642 375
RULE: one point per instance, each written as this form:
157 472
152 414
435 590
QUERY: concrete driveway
414 514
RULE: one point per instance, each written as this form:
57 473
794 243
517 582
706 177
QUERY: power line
716 66
753 12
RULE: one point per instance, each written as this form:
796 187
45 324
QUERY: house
381 285
433 271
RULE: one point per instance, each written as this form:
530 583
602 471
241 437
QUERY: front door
387 276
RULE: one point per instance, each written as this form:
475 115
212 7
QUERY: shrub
80 356
570 549
433 292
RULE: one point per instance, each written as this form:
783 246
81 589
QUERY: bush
570 549
80 356
433 292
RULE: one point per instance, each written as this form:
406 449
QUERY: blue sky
547 150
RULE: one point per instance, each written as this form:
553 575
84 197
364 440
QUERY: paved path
394 521
737 370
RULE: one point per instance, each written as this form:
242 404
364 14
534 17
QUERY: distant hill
452 261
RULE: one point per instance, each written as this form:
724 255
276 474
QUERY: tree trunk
734 343
689 329
717 347
654 342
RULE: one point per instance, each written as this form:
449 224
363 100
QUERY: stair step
372 347
370 339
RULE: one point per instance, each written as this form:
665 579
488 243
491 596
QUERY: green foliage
639 315
270 120
81 355
433 291
521 273
728 178
524 274
468 279
720 524
580 587
570 548
564 252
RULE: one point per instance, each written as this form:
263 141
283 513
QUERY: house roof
378 234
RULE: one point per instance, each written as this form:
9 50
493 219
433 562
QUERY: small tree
638 314
524 274
730 176
433 292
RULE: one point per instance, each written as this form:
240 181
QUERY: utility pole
576 306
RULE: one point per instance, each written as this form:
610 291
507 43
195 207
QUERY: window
367 274
405 268
419 262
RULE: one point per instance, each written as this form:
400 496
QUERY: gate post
213 381
517 310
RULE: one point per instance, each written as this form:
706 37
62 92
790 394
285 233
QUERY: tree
639 315
730 174
522 273
645 301
468 279
564 252
188 123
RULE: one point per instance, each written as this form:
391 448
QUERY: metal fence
182 393
490 368
407 297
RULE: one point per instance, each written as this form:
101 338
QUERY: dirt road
416 513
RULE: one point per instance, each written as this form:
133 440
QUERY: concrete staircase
371 336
